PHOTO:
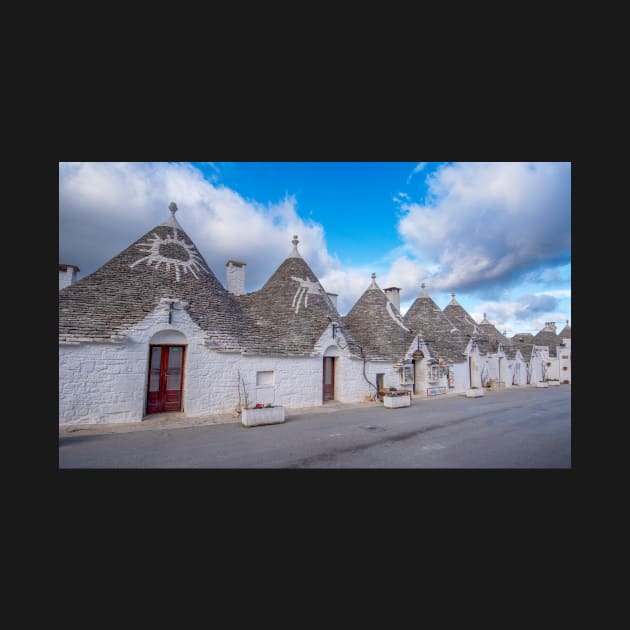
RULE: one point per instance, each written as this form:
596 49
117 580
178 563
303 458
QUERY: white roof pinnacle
172 221
294 252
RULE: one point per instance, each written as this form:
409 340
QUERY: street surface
514 428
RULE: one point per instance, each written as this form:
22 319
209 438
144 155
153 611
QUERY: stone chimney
333 298
235 277
67 275
393 295
550 326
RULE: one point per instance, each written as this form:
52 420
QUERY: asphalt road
514 428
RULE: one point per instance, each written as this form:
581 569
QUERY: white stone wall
519 373
462 377
564 359
507 372
101 383
106 383
552 369
475 368
297 382
491 363
535 367
356 387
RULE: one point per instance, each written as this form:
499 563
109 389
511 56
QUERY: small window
406 374
434 373
264 378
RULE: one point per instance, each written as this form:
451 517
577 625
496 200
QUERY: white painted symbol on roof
306 287
152 248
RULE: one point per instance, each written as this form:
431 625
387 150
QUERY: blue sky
498 234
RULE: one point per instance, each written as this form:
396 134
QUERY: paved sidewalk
180 421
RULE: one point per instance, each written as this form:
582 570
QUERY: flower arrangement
262 406
395 392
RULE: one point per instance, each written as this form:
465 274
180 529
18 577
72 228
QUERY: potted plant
396 398
262 414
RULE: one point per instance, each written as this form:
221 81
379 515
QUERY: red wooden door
166 370
329 378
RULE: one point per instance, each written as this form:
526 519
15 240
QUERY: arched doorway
167 355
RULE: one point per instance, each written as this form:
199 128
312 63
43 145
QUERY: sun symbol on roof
171 250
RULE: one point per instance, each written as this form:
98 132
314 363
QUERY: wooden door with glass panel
166 371
329 378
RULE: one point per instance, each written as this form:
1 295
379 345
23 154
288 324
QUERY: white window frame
260 379
406 374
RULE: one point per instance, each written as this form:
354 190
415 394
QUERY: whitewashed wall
564 358
535 367
106 383
462 377
507 372
101 383
552 372
519 373
297 382
491 367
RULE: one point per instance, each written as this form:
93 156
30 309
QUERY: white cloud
487 222
529 313
104 207
559 293
419 167
350 283
483 222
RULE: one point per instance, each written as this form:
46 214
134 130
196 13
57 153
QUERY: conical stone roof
524 343
290 312
426 319
163 263
565 333
466 323
493 335
547 337
461 318
378 327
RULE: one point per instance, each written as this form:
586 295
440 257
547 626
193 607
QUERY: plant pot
266 415
474 392
393 402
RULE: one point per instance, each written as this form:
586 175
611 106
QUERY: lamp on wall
336 327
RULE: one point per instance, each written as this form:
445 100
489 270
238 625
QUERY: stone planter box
393 402
266 415
474 392
542 384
